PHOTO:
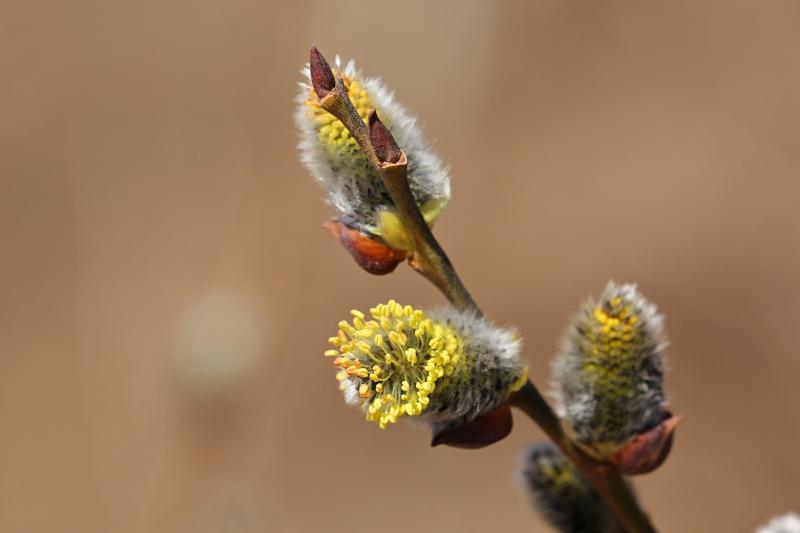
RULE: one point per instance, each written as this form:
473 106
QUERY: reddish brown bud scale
484 430
370 254
647 451
322 78
385 146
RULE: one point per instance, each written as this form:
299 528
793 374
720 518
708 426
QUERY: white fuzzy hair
506 343
493 358
350 391
788 523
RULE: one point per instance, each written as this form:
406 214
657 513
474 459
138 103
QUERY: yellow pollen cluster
614 328
332 133
560 474
394 360
612 337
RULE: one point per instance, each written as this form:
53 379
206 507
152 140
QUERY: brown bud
322 77
484 430
370 254
647 451
386 148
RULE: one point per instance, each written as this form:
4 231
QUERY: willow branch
429 257
603 476
432 262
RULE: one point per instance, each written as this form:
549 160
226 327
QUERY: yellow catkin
611 333
407 354
332 133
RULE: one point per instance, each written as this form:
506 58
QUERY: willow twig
429 258
432 262
603 476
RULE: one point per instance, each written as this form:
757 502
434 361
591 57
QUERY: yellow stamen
395 373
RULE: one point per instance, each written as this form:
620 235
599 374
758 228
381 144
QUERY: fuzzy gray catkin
609 374
562 494
492 368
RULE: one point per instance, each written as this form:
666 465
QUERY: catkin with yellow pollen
354 188
332 134
609 375
440 366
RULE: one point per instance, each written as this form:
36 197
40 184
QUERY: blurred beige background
167 290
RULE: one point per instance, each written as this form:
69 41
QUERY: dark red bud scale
370 254
322 78
385 146
647 451
484 430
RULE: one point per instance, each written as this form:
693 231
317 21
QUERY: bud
385 146
353 187
649 449
445 367
370 253
322 78
609 380
480 432
562 494
788 523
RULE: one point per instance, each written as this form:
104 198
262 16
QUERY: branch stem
432 262
429 257
603 476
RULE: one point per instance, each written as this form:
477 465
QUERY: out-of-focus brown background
167 290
